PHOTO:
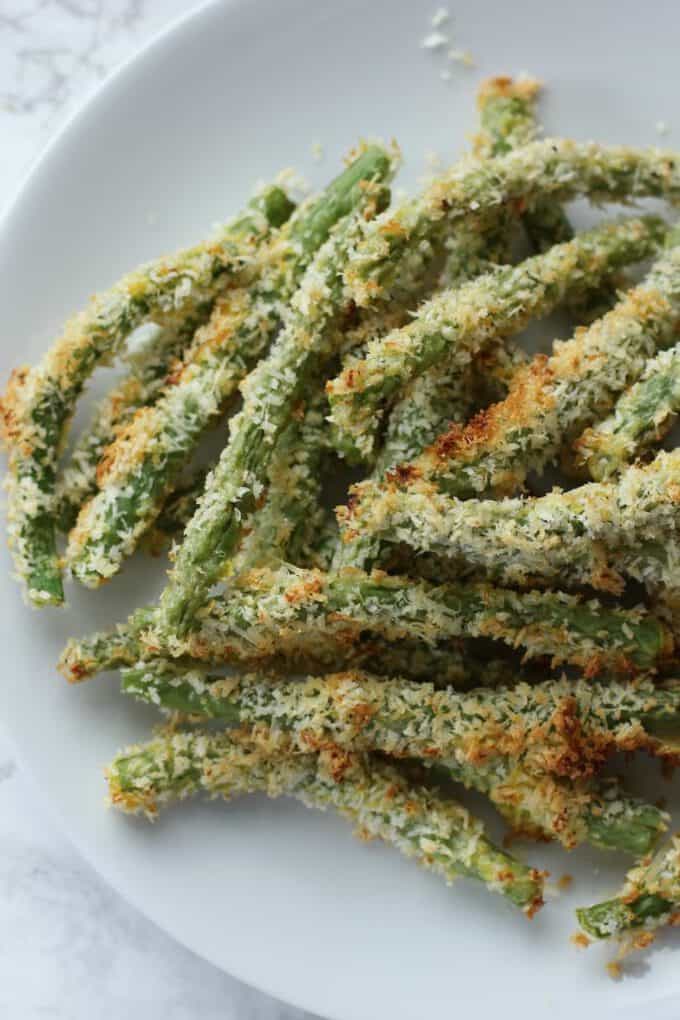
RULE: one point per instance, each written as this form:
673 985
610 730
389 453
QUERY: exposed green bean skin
144 462
308 613
650 899
461 322
597 534
270 394
39 403
475 736
616 821
440 834
615 918
641 418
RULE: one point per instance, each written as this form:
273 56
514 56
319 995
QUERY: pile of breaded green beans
459 621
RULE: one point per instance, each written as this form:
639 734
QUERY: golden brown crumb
303 591
534 907
507 87
643 940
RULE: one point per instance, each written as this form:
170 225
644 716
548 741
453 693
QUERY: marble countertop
71 948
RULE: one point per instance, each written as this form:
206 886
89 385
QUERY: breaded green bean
507 110
480 737
556 397
563 727
39 403
178 509
441 394
449 663
507 117
642 416
402 240
325 546
434 401
440 834
141 467
461 322
287 526
83 658
288 523
444 396
148 375
650 899
307 613
597 534
426 406
311 334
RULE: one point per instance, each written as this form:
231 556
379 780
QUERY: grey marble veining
70 948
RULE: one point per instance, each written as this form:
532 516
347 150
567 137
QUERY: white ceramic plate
278 896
